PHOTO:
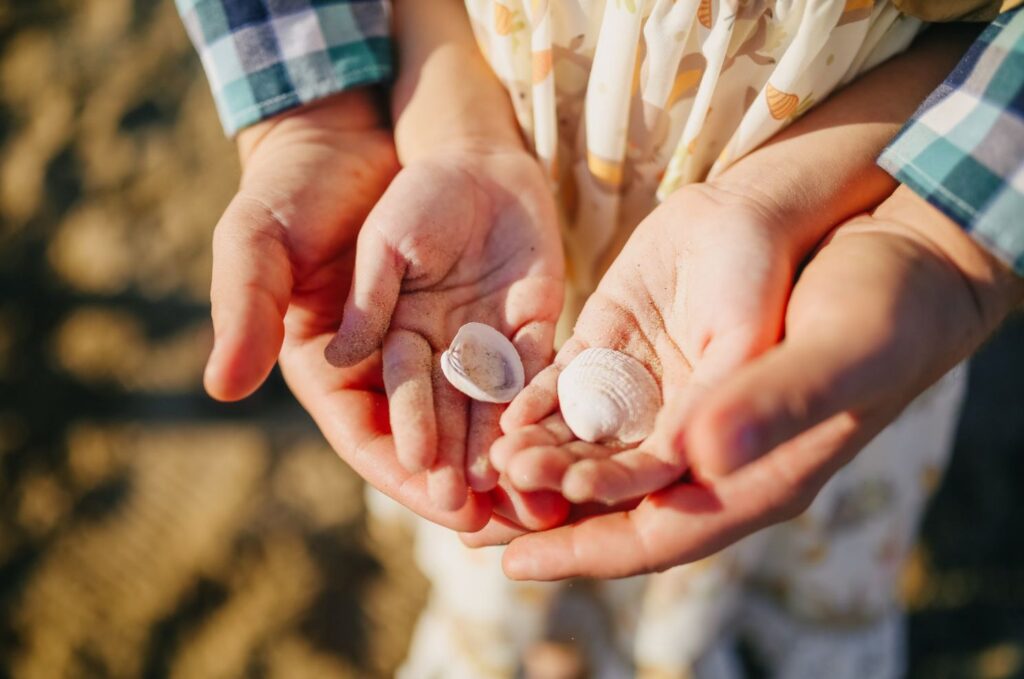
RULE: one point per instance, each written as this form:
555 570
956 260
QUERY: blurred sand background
147 531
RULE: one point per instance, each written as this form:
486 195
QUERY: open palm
889 304
467 236
284 253
699 288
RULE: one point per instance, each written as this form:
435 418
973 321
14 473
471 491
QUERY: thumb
779 396
376 284
249 293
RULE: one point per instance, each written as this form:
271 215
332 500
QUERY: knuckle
250 222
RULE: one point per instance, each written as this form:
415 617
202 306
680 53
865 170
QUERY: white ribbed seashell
483 364
605 395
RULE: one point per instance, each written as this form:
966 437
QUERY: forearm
446 95
822 169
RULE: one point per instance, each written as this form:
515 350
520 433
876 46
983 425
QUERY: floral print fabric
624 101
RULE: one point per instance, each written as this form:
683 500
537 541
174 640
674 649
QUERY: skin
283 255
453 240
284 258
467 231
891 302
702 285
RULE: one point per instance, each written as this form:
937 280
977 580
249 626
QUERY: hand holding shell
604 395
693 294
453 239
590 410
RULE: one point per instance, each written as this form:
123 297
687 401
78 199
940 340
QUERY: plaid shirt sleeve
963 150
265 56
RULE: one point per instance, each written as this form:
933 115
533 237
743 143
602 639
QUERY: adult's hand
889 304
283 259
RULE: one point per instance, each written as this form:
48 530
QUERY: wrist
356 110
452 101
446 95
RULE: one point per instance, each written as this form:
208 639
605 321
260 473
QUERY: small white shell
605 395
483 364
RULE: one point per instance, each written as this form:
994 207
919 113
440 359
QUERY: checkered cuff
265 56
963 151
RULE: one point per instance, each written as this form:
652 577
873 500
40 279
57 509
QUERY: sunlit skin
283 259
763 442
691 299
701 286
315 191
466 232
474 219
468 236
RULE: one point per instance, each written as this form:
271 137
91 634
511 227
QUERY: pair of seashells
604 395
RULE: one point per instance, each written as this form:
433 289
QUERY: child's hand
283 255
699 288
890 303
459 236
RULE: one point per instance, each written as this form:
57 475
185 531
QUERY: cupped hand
699 288
284 253
889 304
459 236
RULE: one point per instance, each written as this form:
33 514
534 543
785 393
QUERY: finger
251 286
535 343
634 473
551 431
362 435
543 467
498 531
407 378
630 474
536 401
690 521
503 526
540 468
376 284
853 331
728 351
534 511
540 397
483 432
787 391
446 480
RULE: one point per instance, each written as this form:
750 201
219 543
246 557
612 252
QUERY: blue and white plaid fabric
963 151
265 56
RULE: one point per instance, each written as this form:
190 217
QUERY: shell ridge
605 394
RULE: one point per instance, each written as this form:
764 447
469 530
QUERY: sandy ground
147 531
